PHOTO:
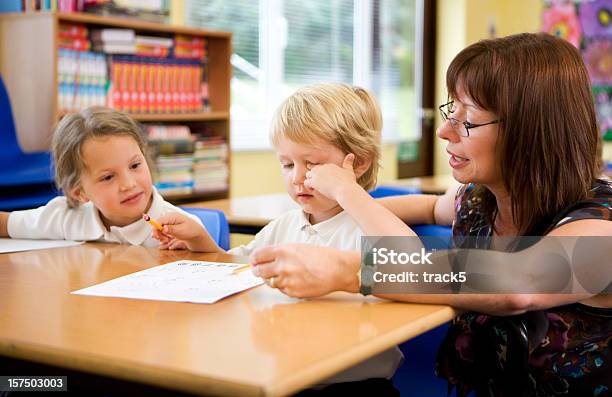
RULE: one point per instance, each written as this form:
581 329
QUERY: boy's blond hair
346 116
74 129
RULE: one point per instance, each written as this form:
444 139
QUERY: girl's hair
74 129
548 144
345 116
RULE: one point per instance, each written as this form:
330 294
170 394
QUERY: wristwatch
366 274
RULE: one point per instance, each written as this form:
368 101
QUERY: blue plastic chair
215 222
416 376
26 179
386 191
25 197
16 167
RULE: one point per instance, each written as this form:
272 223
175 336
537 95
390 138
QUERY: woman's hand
330 180
304 271
181 232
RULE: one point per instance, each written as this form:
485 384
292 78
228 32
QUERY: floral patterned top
560 351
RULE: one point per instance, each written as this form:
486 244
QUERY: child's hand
179 232
172 244
329 179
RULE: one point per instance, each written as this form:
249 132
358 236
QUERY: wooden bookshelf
173 117
29 68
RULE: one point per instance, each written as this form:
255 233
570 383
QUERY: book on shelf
188 47
144 78
73 37
115 47
82 80
114 41
174 174
172 148
150 85
187 163
113 35
210 168
154 41
150 10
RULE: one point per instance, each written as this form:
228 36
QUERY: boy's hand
179 232
330 180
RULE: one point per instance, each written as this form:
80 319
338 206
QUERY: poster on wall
587 24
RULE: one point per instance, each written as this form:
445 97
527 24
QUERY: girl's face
472 158
296 159
116 179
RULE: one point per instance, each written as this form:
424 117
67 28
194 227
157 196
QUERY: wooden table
437 184
256 343
249 214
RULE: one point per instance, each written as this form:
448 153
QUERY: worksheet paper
16 245
180 281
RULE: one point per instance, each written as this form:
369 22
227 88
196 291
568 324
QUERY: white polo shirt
340 232
57 221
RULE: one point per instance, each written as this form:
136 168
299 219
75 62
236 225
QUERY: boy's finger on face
348 160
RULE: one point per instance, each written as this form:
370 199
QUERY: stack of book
150 10
114 41
73 37
149 46
210 169
82 80
151 85
189 47
172 148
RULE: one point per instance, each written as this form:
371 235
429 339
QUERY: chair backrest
433 236
386 191
8 134
215 223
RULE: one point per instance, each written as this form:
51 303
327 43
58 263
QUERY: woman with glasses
522 140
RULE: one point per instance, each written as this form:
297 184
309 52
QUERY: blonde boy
101 167
318 124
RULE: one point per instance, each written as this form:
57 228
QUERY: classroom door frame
423 165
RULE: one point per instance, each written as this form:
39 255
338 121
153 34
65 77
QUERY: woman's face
472 157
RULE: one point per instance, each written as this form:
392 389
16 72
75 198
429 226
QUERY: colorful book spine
188 47
150 85
82 80
172 147
73 37
186 163
210 167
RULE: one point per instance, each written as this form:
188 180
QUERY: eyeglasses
461 128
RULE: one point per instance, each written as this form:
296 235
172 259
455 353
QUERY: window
280 45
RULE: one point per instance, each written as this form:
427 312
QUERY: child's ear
78 194
360 166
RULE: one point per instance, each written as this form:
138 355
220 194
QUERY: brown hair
74 129
347 117
548 140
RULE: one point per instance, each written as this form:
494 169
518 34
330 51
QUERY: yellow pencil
241 268
152 222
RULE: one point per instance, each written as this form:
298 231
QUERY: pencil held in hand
241 269
152 222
